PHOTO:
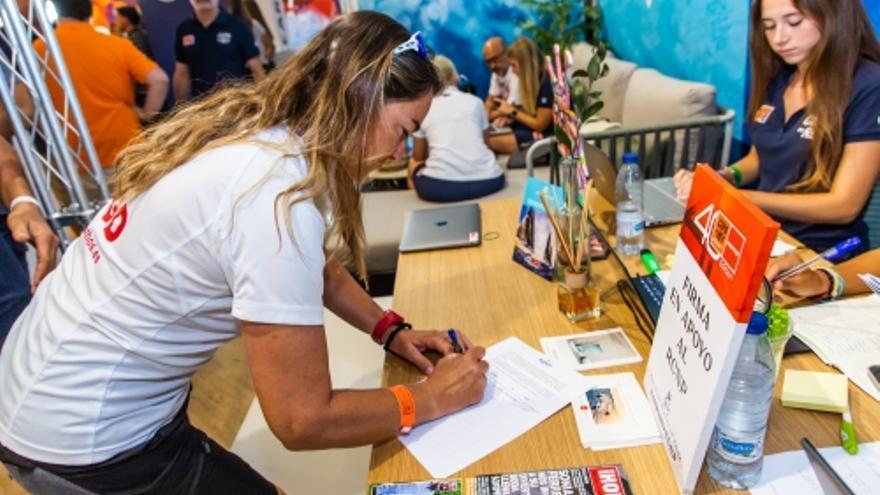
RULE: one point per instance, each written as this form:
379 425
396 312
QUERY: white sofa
642 105
636 96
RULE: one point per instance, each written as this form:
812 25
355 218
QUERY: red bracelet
389 319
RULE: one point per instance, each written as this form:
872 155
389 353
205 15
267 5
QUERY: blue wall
700 40
873 8
456 28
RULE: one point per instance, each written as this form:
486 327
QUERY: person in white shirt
450 159
504 83
218 230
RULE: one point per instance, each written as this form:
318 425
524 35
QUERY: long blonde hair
528 57
330 94
847 36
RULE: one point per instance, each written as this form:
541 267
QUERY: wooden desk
482 292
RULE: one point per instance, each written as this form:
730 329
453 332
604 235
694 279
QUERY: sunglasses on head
415 43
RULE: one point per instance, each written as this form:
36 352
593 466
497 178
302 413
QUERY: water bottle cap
758 324
630 157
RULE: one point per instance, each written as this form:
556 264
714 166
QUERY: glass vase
577 296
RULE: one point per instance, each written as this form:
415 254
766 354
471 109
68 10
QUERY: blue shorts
448 191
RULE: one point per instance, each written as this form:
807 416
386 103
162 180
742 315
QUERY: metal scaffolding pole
53 144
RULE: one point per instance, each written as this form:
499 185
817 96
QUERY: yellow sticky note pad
815 390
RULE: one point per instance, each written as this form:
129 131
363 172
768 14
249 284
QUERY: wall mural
456 28
705 40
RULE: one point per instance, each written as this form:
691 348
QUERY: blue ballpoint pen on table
456 345
834 253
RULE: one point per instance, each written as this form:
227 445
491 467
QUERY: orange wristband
407 407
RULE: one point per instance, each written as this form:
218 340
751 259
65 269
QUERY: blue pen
834 253
453 336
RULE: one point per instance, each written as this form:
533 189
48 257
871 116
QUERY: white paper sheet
613 413
664 275
523 389
844 334
781 247
791 473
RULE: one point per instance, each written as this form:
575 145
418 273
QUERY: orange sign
730 238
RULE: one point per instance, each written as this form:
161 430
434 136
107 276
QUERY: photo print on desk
605 405
614 413
591 350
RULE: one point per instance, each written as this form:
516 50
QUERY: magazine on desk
535 240
587 480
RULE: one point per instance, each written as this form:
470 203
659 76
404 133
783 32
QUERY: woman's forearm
347 299
827 208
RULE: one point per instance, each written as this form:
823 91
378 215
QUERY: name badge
189 40
224 38
764 113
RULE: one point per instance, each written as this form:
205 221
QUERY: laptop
662 206
441 228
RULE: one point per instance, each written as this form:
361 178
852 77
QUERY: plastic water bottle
630 203
736 453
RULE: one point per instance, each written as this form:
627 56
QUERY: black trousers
179 459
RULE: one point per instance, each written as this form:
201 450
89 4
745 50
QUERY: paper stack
844 334
614 413
815 390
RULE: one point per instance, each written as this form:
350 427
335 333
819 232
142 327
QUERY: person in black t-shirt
212 47
128 25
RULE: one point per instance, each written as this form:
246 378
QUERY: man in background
128 25
103 70
212 47
503 84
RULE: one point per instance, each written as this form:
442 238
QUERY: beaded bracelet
837 284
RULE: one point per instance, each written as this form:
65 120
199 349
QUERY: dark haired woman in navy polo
814 119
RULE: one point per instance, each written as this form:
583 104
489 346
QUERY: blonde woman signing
533 118
814 119
218 230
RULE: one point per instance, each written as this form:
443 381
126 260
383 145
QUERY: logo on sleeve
764 113
224 38
806 128
115 219
189 40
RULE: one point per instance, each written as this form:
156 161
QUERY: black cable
627 291
633 302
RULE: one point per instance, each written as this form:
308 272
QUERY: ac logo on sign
115 219
723 241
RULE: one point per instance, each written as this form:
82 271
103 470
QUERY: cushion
613 85
652 99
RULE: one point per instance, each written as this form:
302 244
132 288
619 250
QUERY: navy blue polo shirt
544 99
216 52
784 147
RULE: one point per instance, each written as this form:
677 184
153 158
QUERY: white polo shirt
104 354
506 86
454 130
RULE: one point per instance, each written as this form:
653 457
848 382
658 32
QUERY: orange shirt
103 69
